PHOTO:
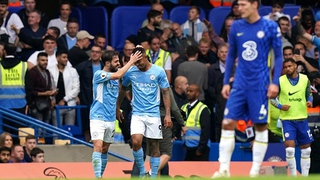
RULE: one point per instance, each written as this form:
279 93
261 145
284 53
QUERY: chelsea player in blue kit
250 39
146 80
103 108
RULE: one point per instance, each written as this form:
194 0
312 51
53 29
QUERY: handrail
5 112
78 114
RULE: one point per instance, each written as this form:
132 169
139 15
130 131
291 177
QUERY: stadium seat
15 9
264 10
178 151
127 20
179 14
217 17
76 13
95 20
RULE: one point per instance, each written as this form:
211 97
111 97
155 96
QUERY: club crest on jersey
260 34
152 76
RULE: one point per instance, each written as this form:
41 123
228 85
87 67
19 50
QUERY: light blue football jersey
105 94
146 89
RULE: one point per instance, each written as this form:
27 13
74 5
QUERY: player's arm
167 104
277 48
302 32
122 93
232 53
133 58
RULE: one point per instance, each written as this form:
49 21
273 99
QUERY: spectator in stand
155 19
307 22
195 71
235 13
66 79
194 27
305 64
101 40
33 30
287 52
61 22
39 89
17 155
206 55
6 140
30 6
285 28
309 46
49 45
67 40
30 144
10 19
225 29
277 7
77 53
5 154
127 51
157 7
37 155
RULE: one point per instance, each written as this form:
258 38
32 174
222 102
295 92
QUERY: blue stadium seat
127 20
76 13
15 9
95 20
264 10
179 14
217 16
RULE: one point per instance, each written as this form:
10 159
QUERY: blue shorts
297 130
247 104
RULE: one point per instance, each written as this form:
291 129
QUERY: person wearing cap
77 53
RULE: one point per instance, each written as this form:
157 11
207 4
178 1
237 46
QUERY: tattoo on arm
166 100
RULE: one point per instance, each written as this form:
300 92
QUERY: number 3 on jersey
250 53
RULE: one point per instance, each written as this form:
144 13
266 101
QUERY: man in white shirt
61 22
49 45
66 79
10 19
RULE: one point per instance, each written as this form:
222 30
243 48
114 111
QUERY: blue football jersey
146 89
251 44
105 94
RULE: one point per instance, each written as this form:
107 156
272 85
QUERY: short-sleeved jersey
105 94
146 89
251 43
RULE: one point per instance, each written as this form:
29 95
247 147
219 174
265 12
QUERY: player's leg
154 135
258 113
165 147
304 138
235 108
289 136
107 140
97 133
137 129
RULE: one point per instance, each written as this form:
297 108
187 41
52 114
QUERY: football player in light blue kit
103 108
250 39
146 80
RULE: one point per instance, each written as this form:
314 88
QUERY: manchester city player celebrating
146 80
250 39
103 108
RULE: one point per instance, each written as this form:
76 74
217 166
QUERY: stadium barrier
123 170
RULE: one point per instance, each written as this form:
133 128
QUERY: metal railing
28 121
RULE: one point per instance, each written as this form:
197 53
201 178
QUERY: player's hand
273 91
119 115
285 107
309 104
225 92
136 56
167 121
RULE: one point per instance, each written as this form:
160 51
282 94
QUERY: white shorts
148 126
102 130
